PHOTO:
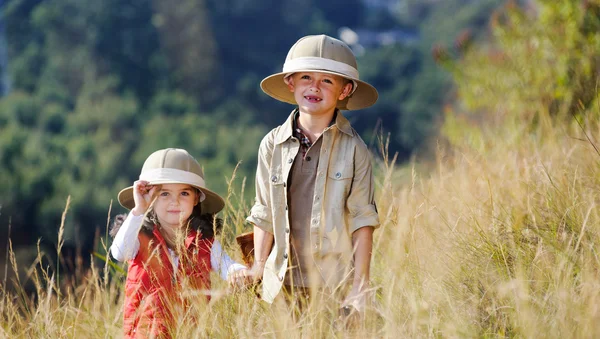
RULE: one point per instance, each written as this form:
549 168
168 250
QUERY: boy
315 213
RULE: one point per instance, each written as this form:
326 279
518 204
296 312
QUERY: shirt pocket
278 185
341 172
339 184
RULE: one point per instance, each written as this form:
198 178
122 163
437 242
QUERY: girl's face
174 204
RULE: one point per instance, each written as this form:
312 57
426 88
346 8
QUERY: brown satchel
246 243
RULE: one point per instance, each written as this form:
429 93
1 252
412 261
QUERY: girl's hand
240 279
142 195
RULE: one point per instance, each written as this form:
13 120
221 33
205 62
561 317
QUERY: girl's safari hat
174 166
324 54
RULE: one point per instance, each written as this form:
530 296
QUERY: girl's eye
305 77
185 194
328 81
164 194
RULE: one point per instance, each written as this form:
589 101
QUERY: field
493 238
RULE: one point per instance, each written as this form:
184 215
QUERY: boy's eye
164 194
328 81
185 193
307 77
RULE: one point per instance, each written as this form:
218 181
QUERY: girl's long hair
208 224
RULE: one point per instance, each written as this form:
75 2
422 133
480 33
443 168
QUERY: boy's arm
362 242
361 206
260 215
263 242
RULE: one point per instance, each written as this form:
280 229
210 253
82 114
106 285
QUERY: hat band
172 174
317 63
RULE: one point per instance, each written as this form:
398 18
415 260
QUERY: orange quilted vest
153 288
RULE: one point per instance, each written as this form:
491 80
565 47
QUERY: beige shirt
343 201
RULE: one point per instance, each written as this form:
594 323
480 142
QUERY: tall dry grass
495 238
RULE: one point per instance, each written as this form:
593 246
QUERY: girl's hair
207 224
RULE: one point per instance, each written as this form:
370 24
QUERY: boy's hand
356 300
142 196
257 270
352 310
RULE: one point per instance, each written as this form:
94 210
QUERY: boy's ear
289 81
346 90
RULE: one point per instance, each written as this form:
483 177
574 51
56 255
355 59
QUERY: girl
168 239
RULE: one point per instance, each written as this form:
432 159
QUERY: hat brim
364 96
213 203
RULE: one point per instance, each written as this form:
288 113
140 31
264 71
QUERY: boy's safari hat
321 53
174 166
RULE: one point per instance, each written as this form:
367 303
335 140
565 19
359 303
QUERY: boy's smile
318 93
313 98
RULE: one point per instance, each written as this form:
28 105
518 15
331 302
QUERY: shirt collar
287 129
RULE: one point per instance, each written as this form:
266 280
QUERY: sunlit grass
494 241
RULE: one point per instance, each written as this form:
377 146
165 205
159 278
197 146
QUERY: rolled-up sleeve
260 214
361 200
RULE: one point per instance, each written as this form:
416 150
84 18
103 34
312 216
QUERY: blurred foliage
97 86
411 86
542 67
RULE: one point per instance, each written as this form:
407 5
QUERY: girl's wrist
137 211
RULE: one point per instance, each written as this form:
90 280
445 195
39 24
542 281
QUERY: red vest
153 289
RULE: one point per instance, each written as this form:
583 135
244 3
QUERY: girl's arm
221 262
126 244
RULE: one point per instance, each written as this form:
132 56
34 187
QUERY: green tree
527 66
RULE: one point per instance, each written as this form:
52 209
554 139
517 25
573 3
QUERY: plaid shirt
304 140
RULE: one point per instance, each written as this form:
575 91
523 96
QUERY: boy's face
318 93
174 204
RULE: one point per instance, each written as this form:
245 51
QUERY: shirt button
314 221
286 207
338 175
284 255
287 230
290 160
281 278
308 158
274 178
